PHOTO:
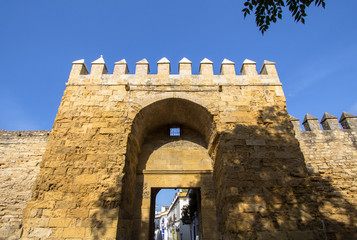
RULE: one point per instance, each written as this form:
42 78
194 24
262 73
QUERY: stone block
40 233
59 222
255 142
272 236
85 179
78 213
74 232
297 235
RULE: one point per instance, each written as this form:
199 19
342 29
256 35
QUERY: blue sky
165 197
40 39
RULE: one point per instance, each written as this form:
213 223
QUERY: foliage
267 11
186 215
188 211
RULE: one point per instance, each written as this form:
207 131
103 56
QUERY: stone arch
173 111
167 95
147 137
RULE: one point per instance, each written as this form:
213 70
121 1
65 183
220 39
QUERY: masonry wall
76 192
261 178
331 159
333 155
20 156
88 172
262 186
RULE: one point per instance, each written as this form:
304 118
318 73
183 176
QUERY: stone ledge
175 172
5 133
175 85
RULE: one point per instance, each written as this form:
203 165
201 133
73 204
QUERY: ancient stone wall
20 156
107 152
88 173
261 179
331 158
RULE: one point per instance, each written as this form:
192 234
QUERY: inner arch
150 147
173 111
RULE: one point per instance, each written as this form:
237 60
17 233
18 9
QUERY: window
174 131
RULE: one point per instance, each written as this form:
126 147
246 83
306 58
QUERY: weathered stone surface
20 156
330 157
110 151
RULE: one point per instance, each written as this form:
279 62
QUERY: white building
161 221
169 219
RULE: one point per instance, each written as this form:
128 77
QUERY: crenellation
120 68
329 122
78 68
142 67
206 67
185 67
228 68
268 68
311 123
163 67
110 147
296 123
332 126
330 156
348 120
98 68
99 74
249 67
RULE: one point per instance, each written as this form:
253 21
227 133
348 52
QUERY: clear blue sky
39 40
165 198
316 62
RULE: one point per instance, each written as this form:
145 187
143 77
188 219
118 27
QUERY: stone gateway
259 176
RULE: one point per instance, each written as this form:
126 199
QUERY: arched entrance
168 148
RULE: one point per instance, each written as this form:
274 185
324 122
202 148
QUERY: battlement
328 122
99 73
110 151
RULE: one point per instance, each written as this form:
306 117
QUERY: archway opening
168 147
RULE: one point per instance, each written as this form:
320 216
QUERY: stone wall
331 158
20 156
263 184
89 172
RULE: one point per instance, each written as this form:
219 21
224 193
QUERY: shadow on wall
160 151
188 142
263 189
101 220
